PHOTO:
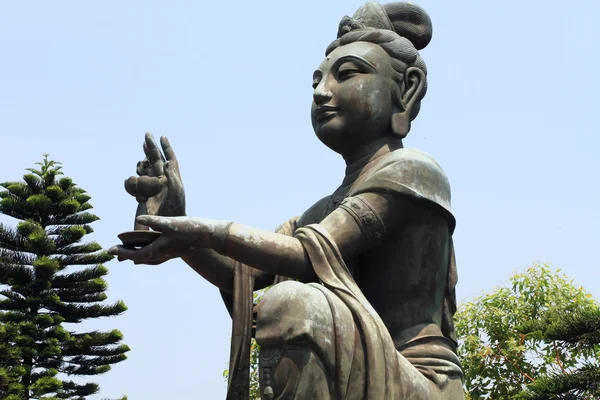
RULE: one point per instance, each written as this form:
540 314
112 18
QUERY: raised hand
159 184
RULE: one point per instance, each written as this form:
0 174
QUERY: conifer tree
10 368
568 331
49 278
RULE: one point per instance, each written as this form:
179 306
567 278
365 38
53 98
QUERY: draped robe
417 359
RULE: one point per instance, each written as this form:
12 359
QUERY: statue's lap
298 339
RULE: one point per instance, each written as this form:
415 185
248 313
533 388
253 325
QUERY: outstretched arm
285 255
273 253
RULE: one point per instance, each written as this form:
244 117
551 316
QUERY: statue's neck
367 154
362 161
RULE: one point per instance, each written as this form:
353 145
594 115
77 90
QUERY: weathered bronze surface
363 295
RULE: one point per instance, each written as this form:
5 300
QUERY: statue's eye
315 83
347 73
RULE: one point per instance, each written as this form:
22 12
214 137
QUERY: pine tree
10 367
49 278
568 330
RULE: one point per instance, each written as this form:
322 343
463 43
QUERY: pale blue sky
510 115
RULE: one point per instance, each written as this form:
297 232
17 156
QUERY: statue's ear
414 83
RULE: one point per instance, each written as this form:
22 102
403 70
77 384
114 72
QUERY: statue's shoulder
410 172
412 159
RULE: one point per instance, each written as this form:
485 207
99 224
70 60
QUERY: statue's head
373 79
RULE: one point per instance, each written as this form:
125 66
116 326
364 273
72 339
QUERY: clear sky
510 114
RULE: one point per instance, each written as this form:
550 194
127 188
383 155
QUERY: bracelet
219 236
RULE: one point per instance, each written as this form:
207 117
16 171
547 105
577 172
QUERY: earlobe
401 124
414 81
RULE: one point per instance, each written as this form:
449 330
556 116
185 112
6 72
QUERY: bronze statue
363 295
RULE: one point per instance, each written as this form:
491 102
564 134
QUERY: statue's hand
159 183
179 235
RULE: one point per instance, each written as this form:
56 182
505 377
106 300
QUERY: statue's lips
325 112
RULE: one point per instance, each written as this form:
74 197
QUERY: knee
293 312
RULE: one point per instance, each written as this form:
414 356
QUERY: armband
366 218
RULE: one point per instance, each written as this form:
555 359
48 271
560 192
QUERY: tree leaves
499 358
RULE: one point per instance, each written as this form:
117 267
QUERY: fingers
151 150
143 167
159 224
171 171
152 254
171 166
136 255
167 149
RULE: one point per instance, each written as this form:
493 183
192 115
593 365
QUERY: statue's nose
321 94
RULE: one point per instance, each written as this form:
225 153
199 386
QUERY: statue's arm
272 253
285 255
209 246
218 269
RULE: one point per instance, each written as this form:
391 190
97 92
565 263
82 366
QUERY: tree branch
558 360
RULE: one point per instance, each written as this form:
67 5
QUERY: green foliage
570 330
10 356
581 328
584 383
500 357
48 278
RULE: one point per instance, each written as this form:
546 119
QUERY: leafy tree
499 358
575 330
50 278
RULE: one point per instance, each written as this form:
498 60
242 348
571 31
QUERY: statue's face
352 103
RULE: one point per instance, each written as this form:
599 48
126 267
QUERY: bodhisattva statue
363 297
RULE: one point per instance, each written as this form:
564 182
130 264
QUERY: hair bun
411 22
406 19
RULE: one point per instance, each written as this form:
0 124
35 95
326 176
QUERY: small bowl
138 238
